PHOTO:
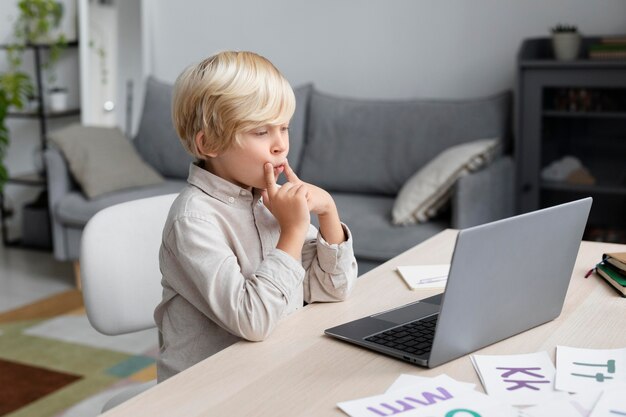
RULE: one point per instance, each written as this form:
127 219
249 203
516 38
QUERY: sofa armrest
60 183
484 196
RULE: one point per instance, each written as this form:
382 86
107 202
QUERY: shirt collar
219 188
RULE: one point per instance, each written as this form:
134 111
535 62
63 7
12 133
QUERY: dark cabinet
572 109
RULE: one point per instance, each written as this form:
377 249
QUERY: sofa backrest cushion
374 146
297 125
156 140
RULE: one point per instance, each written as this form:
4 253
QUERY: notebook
505 277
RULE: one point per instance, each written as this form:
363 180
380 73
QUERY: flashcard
612 403
425 394
470 404
582 370
526 379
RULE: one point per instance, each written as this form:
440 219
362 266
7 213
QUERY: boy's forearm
330 227
291 242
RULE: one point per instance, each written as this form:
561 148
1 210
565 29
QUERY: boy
238 251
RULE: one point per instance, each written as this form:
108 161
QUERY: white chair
119 262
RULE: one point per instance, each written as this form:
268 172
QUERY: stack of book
613 270
609 48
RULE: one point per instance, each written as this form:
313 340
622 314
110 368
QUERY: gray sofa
362 151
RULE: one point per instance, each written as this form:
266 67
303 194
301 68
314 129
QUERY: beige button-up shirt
223 278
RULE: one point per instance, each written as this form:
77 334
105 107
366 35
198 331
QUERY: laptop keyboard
415 337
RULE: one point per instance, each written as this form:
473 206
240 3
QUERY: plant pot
566 46
58 99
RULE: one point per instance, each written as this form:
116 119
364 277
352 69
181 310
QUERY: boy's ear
202 146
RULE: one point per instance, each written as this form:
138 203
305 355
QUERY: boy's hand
318 200
289 205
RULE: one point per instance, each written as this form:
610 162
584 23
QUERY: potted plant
565 42
34 24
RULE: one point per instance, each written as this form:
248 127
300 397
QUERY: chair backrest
119 263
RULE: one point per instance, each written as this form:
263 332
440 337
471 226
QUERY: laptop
505 277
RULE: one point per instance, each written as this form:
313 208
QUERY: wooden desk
300 372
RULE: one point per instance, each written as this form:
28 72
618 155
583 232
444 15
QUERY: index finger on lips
270 180
289 174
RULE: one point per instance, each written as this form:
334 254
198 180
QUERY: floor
30 275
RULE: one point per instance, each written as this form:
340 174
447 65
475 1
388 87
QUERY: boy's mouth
278 170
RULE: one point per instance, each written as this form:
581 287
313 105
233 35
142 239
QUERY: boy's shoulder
194 203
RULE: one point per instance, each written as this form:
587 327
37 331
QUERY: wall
373 48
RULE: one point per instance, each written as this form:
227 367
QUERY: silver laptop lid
507 277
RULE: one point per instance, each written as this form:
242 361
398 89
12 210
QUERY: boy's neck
206 165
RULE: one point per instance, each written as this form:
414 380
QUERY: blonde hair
227 94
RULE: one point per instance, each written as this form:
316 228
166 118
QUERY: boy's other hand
319 200
287 203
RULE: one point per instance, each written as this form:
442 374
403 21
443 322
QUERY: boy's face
242 164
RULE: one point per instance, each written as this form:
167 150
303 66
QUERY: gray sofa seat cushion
374 146
156 140
375 237
75 210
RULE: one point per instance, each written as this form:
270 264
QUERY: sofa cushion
375 237
297 125
75 210
156 140
102 160
374 146
431 187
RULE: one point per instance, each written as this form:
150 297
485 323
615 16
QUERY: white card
469 404
526 379
612 403
425 276
582 370
422 395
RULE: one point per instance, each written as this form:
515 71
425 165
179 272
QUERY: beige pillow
102 160
431 187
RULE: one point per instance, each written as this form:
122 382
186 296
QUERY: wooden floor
49 307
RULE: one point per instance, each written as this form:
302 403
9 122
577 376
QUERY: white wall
373 48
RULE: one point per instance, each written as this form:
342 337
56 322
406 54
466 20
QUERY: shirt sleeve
207 274
331 269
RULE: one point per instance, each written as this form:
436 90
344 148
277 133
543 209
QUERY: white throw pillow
102 160
431 187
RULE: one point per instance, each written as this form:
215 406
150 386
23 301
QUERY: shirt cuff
283 271
331 255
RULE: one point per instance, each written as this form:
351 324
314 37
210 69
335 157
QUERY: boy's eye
261 133
284 128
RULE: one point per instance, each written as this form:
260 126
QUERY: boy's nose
280 145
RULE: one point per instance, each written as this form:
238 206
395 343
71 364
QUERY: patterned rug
54 364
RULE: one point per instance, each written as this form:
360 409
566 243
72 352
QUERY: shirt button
231 199
242 192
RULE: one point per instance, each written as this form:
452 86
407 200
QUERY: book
613 277
424 276
617 259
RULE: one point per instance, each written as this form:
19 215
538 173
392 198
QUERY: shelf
584 189
69 44
31 178
49 115
584 115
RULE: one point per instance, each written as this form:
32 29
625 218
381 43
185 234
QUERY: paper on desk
526 379
468 404
421 395
424 276
580 370
611 403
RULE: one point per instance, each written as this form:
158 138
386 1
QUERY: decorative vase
58 99
566 45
